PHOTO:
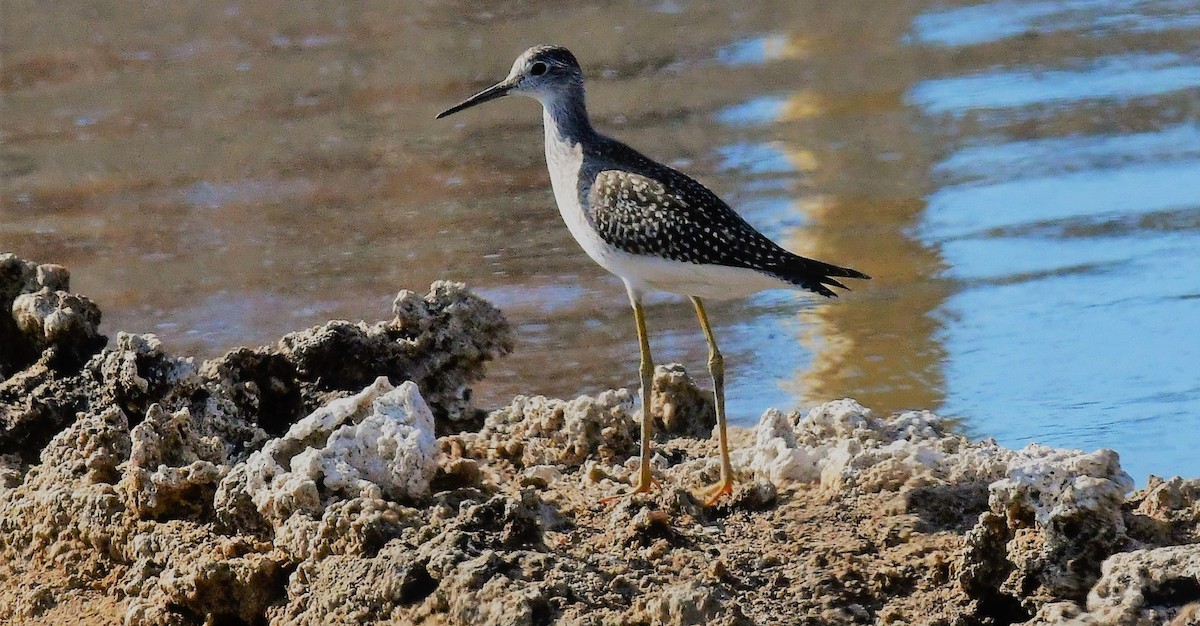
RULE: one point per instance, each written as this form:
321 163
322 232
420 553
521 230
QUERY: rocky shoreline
343 476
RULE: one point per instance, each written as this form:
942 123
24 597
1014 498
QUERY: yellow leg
646 369
716 367
645 479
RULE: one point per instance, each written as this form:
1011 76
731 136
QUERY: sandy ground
305 483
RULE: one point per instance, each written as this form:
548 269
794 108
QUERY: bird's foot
644 486
717 491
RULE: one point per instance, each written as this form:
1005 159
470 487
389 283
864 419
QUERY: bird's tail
815 275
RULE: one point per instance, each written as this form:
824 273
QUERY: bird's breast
564 159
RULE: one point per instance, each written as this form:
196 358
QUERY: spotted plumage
644 208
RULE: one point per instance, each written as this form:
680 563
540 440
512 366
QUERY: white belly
641 273
711 282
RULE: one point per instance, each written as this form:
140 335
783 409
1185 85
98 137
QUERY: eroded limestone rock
679 406
1165 512
476 563
161 491
1147 587
12 470
376 443
138 372
222 505
46 335
66 508
1055 517
356 527
441 341
132 375
543 431
182 571
37 313
63 322
843 445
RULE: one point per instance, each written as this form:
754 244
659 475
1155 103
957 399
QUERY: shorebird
651 225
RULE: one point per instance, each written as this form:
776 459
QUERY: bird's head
545 73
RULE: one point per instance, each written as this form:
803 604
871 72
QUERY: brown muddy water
1022 179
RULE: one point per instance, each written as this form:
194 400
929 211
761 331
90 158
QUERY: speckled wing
668 215
687 222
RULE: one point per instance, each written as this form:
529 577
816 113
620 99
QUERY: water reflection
1019 177
832 138
990 22
765 48
1067 212
1115 77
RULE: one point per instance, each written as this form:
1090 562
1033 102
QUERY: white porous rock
1053 519
1145 586
776 455
1054 482
843 445
376 444
546 431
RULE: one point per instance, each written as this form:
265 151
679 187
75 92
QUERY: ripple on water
1075 257
996 21
1121 77
970 210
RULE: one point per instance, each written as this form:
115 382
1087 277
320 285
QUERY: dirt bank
310 482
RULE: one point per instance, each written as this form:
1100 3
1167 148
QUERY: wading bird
652 226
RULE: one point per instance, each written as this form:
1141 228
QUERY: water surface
1022 179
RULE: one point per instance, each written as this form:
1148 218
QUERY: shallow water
1022 179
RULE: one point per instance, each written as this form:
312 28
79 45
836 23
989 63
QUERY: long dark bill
498 90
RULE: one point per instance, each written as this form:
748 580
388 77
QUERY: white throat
564 158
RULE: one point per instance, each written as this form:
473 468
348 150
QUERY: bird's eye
537 69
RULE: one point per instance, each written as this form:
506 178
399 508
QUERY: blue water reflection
1092 195
755 112
995 21
1038 157
1123 77
1076 257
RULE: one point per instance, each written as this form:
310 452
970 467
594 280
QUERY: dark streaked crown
556 55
